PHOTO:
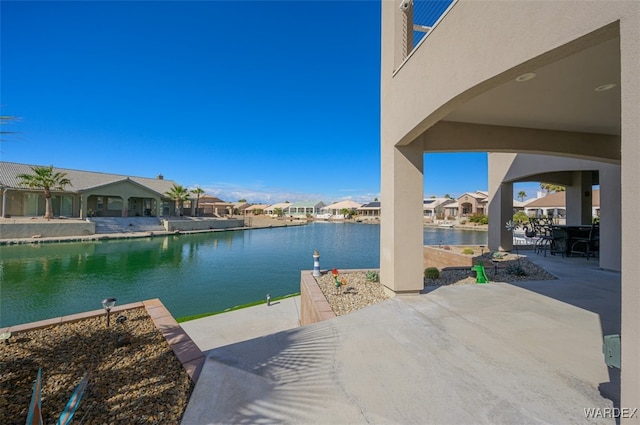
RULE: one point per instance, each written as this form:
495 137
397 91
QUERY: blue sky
262 100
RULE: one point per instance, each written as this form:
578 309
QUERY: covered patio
562 99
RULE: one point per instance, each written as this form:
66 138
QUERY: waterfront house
91 194
470 203
255 209
208 206
304 209
370 210
277 210
336 209
434 208
554 205
239 207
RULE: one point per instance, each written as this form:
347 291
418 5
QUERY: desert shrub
463 221
431 273
521 217
372 276
467 251
479 218
516 270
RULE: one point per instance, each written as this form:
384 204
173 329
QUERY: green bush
431 273
521 217
479 218
372 276
467 251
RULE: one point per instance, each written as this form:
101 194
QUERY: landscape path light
316 264
108 304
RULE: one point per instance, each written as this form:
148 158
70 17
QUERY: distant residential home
432 207
451 210
554 204
335 209
239 207
255 209
271 210
303 209
473 203
519 205
372 209
90 194
208 206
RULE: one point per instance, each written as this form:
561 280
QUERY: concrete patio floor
498 353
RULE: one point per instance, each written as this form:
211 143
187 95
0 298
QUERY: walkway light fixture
108 304
316 264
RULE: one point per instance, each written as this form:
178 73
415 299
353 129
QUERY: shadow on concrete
583 284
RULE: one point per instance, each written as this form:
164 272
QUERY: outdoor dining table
573 233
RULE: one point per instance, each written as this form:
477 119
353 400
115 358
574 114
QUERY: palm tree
46 179
198 191
522 194
179 194
550 187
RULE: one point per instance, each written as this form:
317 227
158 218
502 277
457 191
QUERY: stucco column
401 228
500 211
84 202
579 199
630 146
500 201
610 218
4 201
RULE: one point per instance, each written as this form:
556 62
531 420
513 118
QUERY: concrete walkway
245 324
468 354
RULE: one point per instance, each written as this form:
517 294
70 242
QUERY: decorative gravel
499 271
357 293
135 381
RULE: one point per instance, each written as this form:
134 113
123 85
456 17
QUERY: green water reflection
191 274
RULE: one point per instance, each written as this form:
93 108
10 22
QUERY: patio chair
587 246
540 228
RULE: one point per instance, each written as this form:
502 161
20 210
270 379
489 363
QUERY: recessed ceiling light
526 77
606 87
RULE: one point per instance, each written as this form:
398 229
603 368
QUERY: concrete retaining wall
313 304
202 224
53 228
441 258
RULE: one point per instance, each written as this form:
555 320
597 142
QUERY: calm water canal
191 274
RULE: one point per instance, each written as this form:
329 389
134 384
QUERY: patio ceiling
562 96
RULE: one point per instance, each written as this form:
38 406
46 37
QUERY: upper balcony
419 18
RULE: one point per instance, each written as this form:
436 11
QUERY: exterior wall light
606 87
526 77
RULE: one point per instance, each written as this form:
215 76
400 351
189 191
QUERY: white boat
447 225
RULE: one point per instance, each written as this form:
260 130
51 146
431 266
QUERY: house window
114 204
62 205
31 204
